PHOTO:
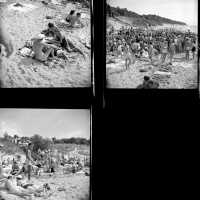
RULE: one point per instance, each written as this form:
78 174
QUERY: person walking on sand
172 49
127 56
38 48
75 21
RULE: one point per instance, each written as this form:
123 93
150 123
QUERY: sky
179 10
59 123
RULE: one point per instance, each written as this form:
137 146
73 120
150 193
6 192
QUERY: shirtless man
187 49
75 19
29 159
70 16
56 33
38 48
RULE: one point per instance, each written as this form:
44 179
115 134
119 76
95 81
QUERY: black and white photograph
45 43
151 44
45 154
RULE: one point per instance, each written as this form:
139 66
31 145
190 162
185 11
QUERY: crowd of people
16 175
130 44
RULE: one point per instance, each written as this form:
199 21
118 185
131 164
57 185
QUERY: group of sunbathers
44 46
17 185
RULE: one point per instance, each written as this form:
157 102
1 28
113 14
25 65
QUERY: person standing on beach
127 56
29 159
172 49
187 49
193 50
164 51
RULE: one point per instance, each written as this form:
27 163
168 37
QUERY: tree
40 143
6 136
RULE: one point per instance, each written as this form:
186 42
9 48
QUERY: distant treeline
8 145
72 141
150 20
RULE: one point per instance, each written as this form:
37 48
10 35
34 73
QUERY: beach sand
63 187
18 71
183 74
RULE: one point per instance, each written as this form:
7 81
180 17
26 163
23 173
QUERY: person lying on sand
17 186
41 51
127 55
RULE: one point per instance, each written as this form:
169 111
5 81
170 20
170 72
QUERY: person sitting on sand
144 84
148 84
75 21
15 168
39 50
70 16
56 33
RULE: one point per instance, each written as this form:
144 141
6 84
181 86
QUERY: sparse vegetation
143 20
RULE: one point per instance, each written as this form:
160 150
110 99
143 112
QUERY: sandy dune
21 71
